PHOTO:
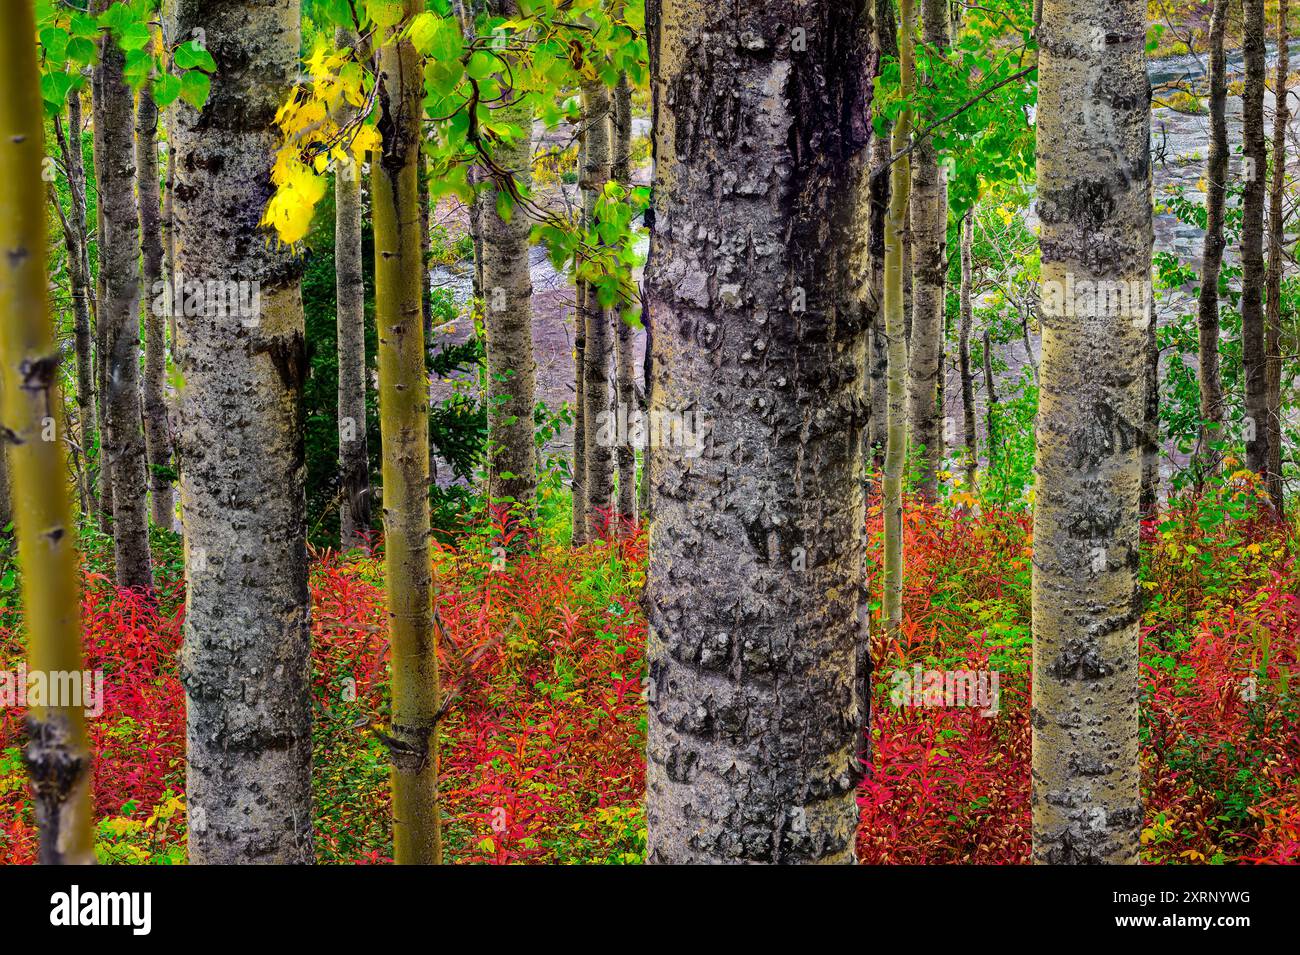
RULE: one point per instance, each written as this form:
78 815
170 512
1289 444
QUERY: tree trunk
1216 179
878 349
58 754
1276 257
404 426
653 18
885 38
991 399
579 482
245 661
157 433
625 344
507 292
929 219
896 331
1253 357
599 345
963 351
119 313
1149 497
756 601
350 319
99 328
75 240
1095 207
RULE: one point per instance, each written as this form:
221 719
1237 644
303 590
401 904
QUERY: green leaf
190 55
134 36
55 44
166 88
195 87
505 205
441 79
80 52
438 37
481 64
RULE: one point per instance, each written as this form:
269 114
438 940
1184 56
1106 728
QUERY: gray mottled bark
598 346
157 432
1276 256
1255 160
350 320
1149 444
624 346
929 220
1207 310
75 240
1095 205
756 598
886 42
579 483
963 352
508 315
245 658
119 314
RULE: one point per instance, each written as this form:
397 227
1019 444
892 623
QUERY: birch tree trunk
896 329
1254 149
929 218
963 352
350 322
58 754
1095 206
119 313
756 602
1216 179
599 339
507 292
157 433
404 426
625 340
1276 256
245 660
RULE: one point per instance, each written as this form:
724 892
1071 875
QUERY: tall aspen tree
1255 173
1216 190
404 428
75 240
1094 201
350 321
900 186
245 660
929 221
756 600
122 437
624 338
31 412
885 38
100 326
598 340
971 463
1276 258
157 430
508 313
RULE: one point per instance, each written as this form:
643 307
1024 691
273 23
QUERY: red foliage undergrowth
543 737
